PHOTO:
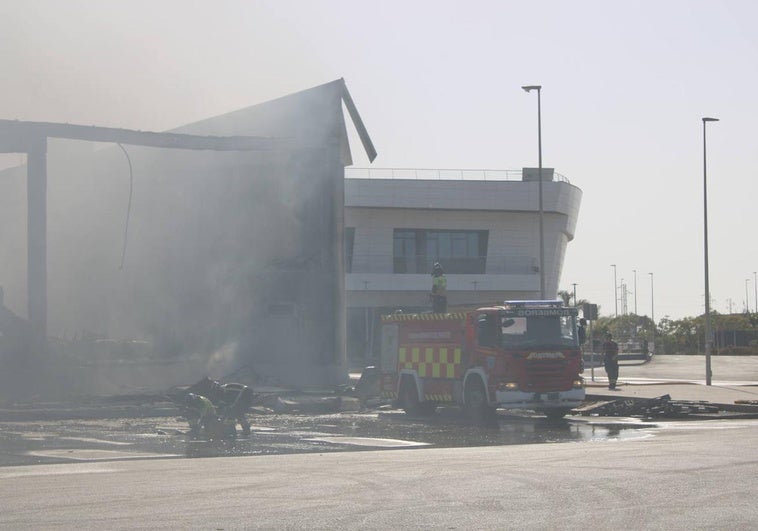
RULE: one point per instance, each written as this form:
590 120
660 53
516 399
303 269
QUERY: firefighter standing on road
439 289
611 360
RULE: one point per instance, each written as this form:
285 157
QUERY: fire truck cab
521 355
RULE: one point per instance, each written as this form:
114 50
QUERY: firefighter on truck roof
439 289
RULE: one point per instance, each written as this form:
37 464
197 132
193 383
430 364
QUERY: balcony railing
441 174
422 264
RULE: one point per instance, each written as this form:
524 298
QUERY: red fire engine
522 355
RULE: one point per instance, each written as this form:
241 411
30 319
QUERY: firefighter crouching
203 417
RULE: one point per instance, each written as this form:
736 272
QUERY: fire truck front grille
545 375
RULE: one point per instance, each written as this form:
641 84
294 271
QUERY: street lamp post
652 306
574 284
747 296
615 290
635 291
538 88
708 339
755 289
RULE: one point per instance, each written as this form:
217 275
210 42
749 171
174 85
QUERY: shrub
738 351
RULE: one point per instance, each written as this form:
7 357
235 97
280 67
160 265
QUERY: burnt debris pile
665 407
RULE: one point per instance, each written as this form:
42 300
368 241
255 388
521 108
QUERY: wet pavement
64 441
145 427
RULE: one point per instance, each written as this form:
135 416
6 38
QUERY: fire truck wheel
475 398
409 398
556 413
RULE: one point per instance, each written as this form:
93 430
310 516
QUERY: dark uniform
611 360
582 331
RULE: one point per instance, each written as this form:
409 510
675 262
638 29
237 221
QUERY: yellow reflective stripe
423 316
422 359
438 397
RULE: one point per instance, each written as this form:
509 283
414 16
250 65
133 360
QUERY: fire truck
521 355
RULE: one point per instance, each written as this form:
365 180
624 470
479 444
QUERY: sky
437 83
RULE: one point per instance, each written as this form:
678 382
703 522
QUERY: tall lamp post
652 306
708 339
635 291
755 289
538 88
615 290
747 296
574 284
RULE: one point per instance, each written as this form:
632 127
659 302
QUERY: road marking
82 454
54 470
98 441
369 441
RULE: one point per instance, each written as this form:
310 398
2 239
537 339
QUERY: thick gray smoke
231 260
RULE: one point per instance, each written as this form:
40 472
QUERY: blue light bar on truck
534 304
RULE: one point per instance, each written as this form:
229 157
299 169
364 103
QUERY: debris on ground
660 407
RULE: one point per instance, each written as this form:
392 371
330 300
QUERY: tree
567 296
686 335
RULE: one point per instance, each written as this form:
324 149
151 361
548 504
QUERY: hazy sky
438 85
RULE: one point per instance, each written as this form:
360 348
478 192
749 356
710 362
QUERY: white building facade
481 226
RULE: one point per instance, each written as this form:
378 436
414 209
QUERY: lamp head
529 88
706 119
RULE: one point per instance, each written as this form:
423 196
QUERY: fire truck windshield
554 331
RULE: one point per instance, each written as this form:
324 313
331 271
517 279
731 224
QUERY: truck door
487 330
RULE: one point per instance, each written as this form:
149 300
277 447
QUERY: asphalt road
66 441
687 368
584 474
686 476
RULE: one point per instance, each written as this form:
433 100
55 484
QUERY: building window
459 251
405 254
349 240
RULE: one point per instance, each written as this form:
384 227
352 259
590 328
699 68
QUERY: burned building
229 256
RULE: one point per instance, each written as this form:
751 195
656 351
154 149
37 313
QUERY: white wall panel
508 210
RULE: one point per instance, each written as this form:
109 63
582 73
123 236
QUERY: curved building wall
508 210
